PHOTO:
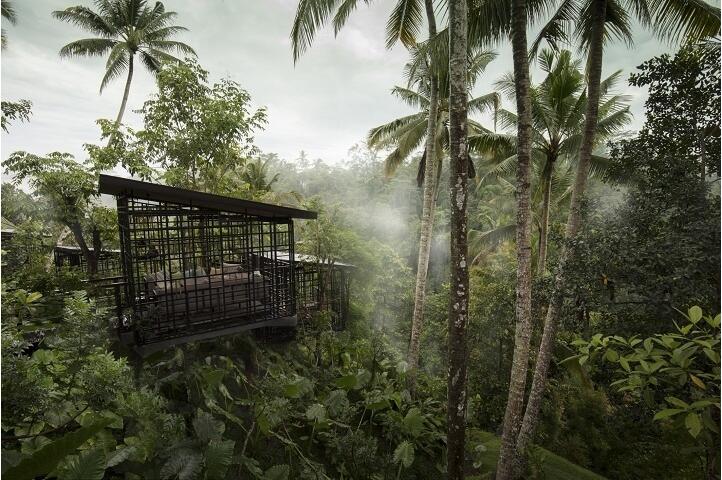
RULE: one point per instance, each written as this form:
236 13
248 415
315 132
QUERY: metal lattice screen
191 270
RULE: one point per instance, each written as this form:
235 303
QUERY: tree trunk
520 362
126 92
427 216
546 202
596 50
459 297
91 258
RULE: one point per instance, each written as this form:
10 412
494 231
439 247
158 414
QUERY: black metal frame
323 287
69 256
197 265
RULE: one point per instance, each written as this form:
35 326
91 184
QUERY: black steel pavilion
197 266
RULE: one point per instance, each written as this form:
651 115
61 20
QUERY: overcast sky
323 105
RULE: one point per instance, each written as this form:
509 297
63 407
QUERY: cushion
232 267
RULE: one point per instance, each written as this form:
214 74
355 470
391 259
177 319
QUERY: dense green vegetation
594 300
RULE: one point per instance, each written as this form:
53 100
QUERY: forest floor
553 466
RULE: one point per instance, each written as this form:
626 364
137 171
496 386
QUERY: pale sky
324 104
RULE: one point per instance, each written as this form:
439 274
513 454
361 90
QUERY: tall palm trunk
596 50
544 222
520 363
126 92
427 214
459 298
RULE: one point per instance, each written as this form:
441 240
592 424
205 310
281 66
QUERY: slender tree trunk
126 92
522 336
91 258
544 229
596 50
427 216
459 298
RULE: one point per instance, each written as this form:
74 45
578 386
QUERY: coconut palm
8 13
256 175
459 275
593 23
404 25
558 105
406 134
125 28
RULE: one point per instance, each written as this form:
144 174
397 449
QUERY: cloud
324 104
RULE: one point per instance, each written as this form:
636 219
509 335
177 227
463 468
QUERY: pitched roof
152 191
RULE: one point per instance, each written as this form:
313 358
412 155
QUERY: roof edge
119 186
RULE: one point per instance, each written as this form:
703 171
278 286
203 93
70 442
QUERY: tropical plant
675 373
403 25
70 189
8 13
203 141
557 105
256 175
125 28
593 23
405 135
459 276
11 111
517 27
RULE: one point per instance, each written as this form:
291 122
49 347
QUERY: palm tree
558 105
406 134
459 297
404 25
517 382
593 23
125 28
256 174
8 13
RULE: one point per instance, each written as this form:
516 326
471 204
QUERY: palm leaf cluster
123 29
405 135
8 13
558 106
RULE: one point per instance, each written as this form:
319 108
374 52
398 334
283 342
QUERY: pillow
163 287
156 277
232 267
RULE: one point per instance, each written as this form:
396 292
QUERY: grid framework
191 269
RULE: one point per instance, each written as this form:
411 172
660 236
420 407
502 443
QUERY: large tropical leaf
46 459
218 457
89 465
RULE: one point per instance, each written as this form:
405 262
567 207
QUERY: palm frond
8 11
87 19
492 144
171 45
310 16
114 68
380 136
150 62
484 103
557 29
163 33
404 23
410 97
406 144
89 47
342 14
690 20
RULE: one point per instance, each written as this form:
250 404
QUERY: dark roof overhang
119 186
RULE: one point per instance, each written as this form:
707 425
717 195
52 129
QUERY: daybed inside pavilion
197 266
